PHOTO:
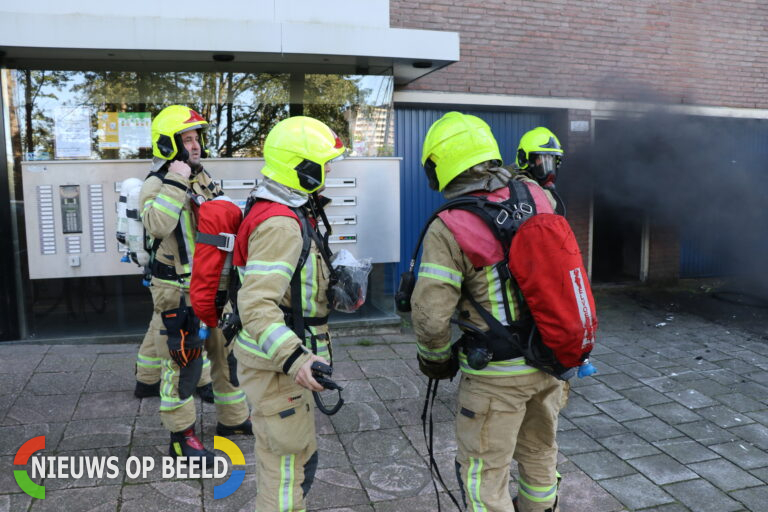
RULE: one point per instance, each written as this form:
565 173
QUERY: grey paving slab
347 370
396 479
84 434
106 405
14 502
662 469
41 409
148 431
663 384
56 383
78 471
354 391
754 498
12 437
755 434
701 496
6 402
363 416
408 412
156 452
692 398
378 445
709 387
618 381
444 438
759 416
579 492
25 363
330 451
58 360
707 433
623 410
575 441
645 396
685 450
122 361
724 417
636 492
599 426
577 407
638 370
724 475
398 388
362 353
744 455
242 500
601 465
595 393
162 495
110 380
384 368
11 384
88 499
628 446
336 488
673 413
7 481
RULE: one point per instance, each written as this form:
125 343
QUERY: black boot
243 429
205 393
146 390
187 444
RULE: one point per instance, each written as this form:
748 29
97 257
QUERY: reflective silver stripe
439 354
269 267
249 344
537 494
150 362
206 362
441 273
166 205
496 295
228 398
273 337
308 303
286 483
474 480
188 234
168 402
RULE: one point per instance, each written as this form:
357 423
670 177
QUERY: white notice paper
72 132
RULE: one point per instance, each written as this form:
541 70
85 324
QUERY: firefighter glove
439 370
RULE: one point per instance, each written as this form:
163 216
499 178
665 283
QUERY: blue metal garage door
417 199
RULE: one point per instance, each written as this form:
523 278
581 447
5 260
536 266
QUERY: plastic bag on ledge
349 292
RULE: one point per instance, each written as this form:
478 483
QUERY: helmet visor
548 162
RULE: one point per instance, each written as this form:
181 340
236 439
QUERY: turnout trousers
284 436
501 418
178 413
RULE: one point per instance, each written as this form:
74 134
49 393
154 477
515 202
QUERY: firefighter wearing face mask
169 199
283 306
506 409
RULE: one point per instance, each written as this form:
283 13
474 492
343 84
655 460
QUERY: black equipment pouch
181 326
230 325
232 364
404 291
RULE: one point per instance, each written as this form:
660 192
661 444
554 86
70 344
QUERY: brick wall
663 253
702 52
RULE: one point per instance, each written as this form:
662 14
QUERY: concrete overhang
75 41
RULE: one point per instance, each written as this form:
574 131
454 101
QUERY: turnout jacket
165 205
446 277
266 342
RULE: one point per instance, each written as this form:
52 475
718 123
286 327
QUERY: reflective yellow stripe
258 267
440 273
474 480
537 494
286 483
506 368
168 402
438 354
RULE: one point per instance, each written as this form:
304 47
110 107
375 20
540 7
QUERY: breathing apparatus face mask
544 167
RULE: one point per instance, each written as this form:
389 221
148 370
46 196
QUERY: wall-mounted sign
108 131
135 130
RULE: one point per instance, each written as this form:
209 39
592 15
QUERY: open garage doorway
618 228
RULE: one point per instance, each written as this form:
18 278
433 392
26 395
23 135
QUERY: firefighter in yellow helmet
506 409
168 200
283 306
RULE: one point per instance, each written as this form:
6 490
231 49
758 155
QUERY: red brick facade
687 52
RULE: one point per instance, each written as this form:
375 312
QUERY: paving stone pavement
675 420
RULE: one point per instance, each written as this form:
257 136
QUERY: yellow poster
108 131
